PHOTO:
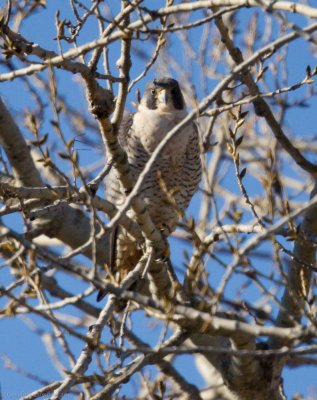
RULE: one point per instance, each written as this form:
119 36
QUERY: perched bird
175 176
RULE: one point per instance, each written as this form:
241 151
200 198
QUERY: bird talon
165 229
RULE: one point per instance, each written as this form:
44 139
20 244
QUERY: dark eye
153 91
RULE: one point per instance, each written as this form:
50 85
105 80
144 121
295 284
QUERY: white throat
151 126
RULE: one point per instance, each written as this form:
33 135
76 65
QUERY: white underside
151 126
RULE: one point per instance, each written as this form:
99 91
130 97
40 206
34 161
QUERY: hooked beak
163 96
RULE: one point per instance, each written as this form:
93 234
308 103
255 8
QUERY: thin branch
95 332
134 26
203 105
261 107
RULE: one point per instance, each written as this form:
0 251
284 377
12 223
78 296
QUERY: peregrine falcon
175 176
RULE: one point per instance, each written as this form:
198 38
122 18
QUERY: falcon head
164 95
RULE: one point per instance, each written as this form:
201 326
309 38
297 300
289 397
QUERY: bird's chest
151 128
